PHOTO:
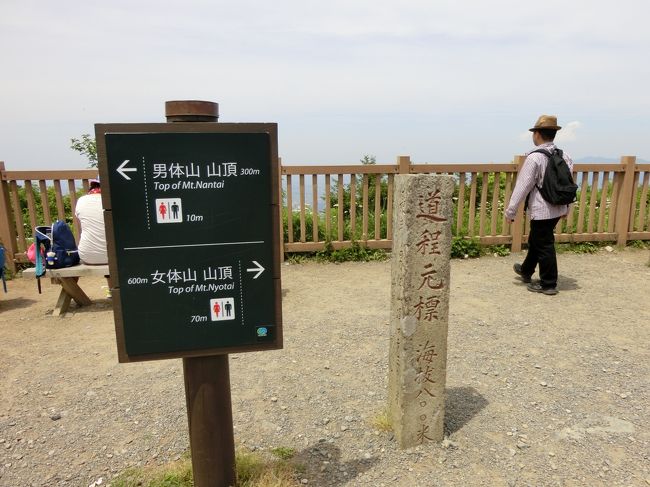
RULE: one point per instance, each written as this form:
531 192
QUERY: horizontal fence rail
32 198
340 205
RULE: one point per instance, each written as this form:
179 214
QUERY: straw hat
546 122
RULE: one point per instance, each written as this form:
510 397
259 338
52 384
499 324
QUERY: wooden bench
68 278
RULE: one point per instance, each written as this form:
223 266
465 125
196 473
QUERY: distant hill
604 160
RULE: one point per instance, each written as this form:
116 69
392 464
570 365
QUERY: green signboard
192 223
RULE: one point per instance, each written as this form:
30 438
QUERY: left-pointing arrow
122 170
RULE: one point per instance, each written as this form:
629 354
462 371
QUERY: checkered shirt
531 174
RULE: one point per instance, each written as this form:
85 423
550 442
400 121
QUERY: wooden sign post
207 379
192 212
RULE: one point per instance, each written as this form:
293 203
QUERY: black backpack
558 187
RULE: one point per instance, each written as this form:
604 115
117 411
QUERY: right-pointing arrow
122 170
259 269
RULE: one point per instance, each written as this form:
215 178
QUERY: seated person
89 211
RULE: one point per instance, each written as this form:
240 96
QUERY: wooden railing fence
339 205
612 204
31 198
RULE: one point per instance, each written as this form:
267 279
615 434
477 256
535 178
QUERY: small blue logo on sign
262 331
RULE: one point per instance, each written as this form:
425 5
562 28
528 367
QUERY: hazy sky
441 81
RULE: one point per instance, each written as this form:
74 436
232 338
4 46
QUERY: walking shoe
517 269
537 288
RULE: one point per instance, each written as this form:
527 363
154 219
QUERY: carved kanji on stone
419 306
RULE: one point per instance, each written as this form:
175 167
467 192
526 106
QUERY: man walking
543 215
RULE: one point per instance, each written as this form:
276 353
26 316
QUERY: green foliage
357 232
38 207
498 250
174 474
284 452
9 274
600 211
253 470
87 147
463 246
249 466
638 244
295 223
321 228
467 202
349 233
367 160
355 252
578 247
298 257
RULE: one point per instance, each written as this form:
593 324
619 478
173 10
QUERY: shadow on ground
16 303
313 458
567 283
461 405
564 283
97 306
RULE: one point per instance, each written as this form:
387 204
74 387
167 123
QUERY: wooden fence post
625 202
404 163
516 229
7 224
281 206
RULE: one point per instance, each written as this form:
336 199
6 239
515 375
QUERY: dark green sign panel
193 233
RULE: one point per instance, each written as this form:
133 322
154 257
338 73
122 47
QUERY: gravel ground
541 390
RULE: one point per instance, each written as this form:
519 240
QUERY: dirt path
541 390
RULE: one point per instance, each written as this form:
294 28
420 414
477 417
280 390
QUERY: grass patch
284 452
638 244
579 247
299 257
464 248
497 250
382 421
253 470
354 253
173 474
461 248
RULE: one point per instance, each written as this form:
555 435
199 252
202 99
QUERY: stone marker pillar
422 215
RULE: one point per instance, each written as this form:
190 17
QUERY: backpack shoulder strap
541 151
548 154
